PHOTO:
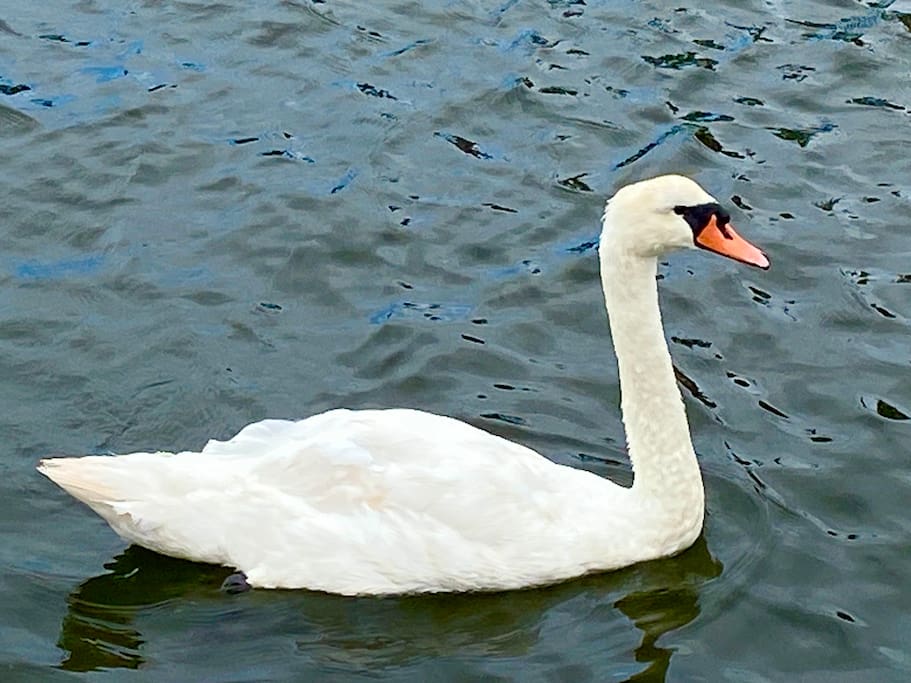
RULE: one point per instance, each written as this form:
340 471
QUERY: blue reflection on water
58 269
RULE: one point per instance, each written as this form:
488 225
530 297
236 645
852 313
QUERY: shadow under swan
115 618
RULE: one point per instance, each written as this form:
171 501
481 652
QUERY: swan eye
698 217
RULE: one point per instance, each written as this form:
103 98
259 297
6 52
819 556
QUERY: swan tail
108 485
89 479
142 499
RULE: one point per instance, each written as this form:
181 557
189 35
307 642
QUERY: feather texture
374 501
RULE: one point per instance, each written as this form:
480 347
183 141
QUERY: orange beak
727 242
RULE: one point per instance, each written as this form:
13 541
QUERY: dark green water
216 213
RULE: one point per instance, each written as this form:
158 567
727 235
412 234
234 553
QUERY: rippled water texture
216 213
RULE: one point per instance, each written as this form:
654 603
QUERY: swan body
404 501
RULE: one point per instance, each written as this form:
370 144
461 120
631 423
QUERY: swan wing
374 501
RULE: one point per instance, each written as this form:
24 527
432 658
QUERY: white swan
404 501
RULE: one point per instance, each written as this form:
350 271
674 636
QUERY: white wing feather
376 501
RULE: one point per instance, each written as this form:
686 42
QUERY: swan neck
658 437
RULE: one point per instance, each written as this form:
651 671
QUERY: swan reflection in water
149 608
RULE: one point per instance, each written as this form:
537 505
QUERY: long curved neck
665 469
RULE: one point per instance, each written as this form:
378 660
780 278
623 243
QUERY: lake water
213 213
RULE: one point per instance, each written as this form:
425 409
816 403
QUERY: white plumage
403 501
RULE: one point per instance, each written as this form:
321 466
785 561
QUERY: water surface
215 213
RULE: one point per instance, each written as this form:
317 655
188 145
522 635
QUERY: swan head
669 212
